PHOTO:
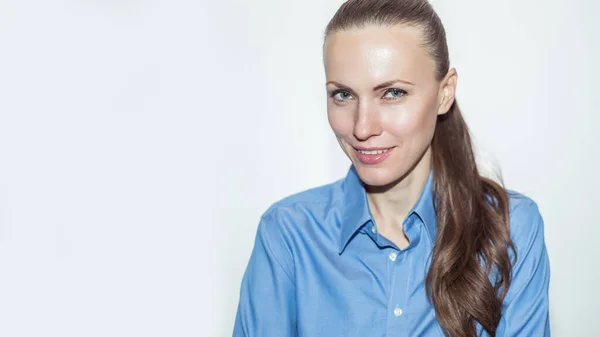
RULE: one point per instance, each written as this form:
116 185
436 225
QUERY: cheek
413 122
340 120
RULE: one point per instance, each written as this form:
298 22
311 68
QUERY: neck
391 203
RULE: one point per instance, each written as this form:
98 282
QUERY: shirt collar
356 208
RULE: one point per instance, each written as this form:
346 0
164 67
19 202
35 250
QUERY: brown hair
470 269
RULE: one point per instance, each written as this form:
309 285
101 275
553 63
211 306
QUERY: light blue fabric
320 268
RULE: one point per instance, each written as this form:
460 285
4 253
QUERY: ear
447 91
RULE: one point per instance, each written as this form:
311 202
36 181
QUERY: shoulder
292 217
531 267
527 235
526 222
288 222
313 202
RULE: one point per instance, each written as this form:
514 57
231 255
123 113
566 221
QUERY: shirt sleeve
525 308
267 305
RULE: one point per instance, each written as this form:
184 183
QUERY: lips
374 155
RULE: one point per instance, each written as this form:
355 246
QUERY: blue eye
341 95
395 93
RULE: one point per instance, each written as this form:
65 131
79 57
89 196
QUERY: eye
394 93
341 95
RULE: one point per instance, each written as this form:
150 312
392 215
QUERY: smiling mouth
372 156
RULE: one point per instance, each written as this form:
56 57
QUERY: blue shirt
319 267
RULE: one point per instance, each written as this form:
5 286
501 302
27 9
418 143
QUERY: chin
380 175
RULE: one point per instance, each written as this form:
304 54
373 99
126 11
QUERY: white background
141 140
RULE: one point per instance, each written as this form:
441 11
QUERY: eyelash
400 92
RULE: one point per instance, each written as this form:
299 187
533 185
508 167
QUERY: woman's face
383 99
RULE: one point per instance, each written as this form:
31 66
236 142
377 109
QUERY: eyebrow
376 88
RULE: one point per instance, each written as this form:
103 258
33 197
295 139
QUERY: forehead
377 54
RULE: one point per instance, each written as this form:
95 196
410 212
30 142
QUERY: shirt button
373 229
397 312
393 256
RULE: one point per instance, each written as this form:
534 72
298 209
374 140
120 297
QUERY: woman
414 241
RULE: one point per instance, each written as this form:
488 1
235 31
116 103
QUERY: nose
368 122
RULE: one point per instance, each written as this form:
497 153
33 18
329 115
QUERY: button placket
397 301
